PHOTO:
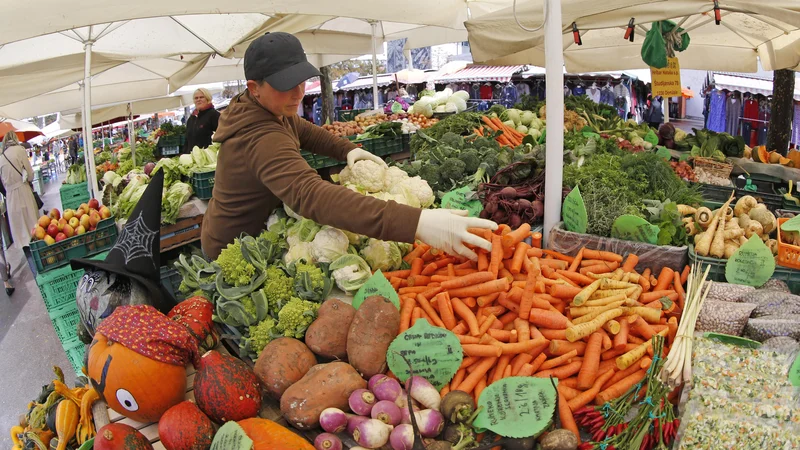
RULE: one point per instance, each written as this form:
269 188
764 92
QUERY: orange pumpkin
268 435
761 154
794 155
134 385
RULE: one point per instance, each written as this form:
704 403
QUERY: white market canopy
107 113
753 85
750 30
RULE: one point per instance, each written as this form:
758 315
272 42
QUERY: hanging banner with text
666 82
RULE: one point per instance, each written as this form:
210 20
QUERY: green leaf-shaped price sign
752 264
376 285
517 407
794 372
231 437
573 211
462 198
433 353
792 224
632 228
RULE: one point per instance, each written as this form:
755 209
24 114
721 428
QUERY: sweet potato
327 335
374 327
282 363
324 386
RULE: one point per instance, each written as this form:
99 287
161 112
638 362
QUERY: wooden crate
184 231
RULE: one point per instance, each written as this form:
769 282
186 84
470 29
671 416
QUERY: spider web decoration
136 240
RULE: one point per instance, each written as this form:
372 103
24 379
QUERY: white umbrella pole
374 65
554 78
88 147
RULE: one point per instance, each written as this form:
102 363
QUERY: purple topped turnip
333 420
386 389
353 421
430 422
402 437
372 433
424 392
361 401
327 441
387 412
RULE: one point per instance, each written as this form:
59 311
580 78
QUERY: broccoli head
452 169
452 140
471 160
430 173
486 169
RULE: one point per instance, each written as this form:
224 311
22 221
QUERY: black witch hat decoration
136 253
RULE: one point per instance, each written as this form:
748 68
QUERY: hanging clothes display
733 111
567 91
622 100
523 89
475 91
716 114
497 91
594 93
578 90
750 127
764 115
607 95
795 138
486 91
509 95
539 91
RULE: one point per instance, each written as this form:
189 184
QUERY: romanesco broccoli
278 289
296 316
310 282
249 305
261 335
236 271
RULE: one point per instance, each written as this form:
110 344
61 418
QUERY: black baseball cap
279 59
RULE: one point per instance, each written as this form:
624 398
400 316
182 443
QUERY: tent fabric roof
746 84
481 73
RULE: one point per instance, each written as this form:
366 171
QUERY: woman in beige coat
16 174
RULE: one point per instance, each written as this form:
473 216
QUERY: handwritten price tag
574 212
751 265
517 407
794 372
632 228
231 436
376 285
462 198
434 353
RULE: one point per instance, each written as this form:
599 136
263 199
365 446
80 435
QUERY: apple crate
72 195
49 257
58 286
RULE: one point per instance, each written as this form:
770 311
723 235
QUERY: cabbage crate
58 286
49 257
203 184
72 195
169 145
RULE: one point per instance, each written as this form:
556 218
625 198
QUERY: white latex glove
446 230
357 154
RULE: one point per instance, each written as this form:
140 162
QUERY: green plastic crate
58 286
75 350
347 115
203 184
384 146
65 321
171 280
73 195
49 257
717 271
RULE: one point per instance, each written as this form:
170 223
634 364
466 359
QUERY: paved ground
28 344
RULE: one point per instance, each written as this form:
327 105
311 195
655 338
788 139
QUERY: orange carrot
538 361
520 254
397 273
412 290
605 256
685 274
551 334
502 335
623 374
558 361
518 361
672 323
665 278
395 281
458 378
559 256
502 363
483 261
416 266
630 263
507 372
520 347
525 371
535 252
426 306
418 280
554 263
470 302
515 237
591 361
548 319
416 314
479 387
679 288
489 287
468 361
467 280
463 311
468 339
526 301
621 338
560 372
417 252
496 256
523 328
560 276
643 329
486 300
477 374
405 313
481 350
586 397
536 240
614 352
577 261
446 310
655 294
436 265
564 291
599 269
644 280
451 271
582 280
620 387
508 317
565 413
484 327
460 328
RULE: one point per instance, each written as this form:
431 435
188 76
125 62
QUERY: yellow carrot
625 361
596 312
584 295
580 331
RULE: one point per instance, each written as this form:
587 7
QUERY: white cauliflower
329 244
368 175
394 176
345 176
297 251
421 190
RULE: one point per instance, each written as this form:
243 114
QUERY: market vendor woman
202 123
260 166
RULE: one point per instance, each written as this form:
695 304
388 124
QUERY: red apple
68 214
105 213
80 229
85 221
55 214
74 222
39 233
94 219
49 240
44 221
68 231
84 207
52 230
79 213
60 237
61 223
94 204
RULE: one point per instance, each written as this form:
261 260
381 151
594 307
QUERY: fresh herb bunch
661 181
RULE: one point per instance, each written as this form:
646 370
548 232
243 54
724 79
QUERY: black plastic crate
714 193
171 280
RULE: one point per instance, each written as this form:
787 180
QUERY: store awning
533 71
687 93
745 84
481 73
360 83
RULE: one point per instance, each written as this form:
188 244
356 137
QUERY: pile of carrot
524 311
510 137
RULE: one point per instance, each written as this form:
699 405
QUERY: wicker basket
713 167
